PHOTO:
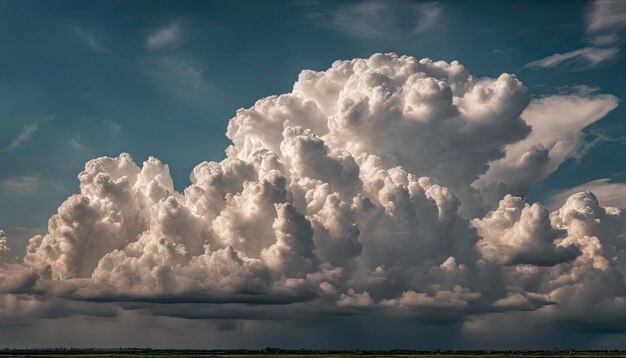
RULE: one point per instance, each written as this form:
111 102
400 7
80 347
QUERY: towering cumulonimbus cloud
380 184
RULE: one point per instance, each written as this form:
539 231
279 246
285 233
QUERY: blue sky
85 79
89 65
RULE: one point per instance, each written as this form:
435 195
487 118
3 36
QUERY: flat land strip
579 354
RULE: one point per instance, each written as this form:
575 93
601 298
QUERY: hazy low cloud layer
380 186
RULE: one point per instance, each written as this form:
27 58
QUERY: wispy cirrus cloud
173 69
377 20
429 14
181 76
583 58
24 184
29 230
605 20
606 15
90 40
77 144
166 36
26 134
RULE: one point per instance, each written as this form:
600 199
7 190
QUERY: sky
361 174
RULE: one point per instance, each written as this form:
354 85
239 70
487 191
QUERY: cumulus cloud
354 194
517 233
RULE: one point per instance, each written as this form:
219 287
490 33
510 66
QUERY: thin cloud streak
90 40
164 37
429 14
605 19
25 184
380 20
26 134
583 58
31 230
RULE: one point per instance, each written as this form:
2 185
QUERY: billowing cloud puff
371 187
517 233
5 252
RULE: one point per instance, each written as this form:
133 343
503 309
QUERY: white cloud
604 40
429 15
29 230
26 134
26 184
605 20
354 19
583 58
517 233
349 195
184 71
165 37
558 122
380 20
90 40
606 15
114 126
77 144
180 75
356 300
608 193
5 251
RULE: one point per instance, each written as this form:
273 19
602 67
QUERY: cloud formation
608 193
165 36
24 184
558 122
606 15
398 19
361 192
26 134
583 58
90 40
605 22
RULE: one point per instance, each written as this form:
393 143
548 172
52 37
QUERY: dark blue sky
89 64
